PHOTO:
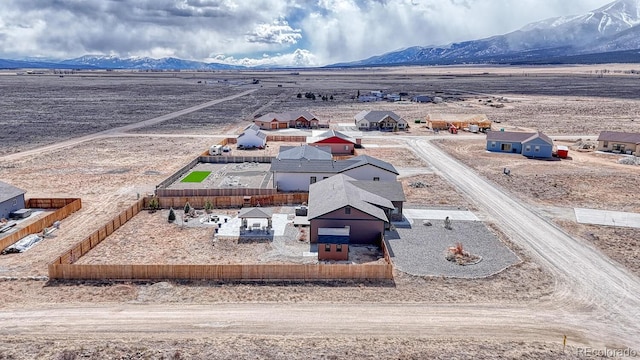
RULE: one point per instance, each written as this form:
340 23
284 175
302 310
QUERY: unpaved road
585 278
122 129
474 321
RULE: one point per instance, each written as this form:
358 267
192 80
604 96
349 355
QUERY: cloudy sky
253 32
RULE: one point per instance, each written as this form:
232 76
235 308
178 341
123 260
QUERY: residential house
292 119
621 142
421 99
536 145
11 199
304 152
298 174
339 143
252 137
379 120
337 203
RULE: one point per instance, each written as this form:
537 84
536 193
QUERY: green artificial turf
196 176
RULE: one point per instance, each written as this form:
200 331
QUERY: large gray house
11 199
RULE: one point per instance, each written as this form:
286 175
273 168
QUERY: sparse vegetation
172 215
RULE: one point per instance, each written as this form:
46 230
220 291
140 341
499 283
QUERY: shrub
187 208
172 215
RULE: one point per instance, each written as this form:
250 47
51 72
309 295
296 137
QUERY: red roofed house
339 143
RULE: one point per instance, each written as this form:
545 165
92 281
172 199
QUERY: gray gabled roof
287 116
376 115
305 152
539 135
255 129
255 213
390 190
366 159
509 136
624 137
8 191
338 192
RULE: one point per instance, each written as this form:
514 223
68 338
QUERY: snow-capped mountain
611 28
142 63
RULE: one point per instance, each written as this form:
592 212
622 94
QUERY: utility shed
333 243
11 199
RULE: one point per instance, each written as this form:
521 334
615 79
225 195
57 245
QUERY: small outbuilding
253 214
252 137
11 199
421 99
333 243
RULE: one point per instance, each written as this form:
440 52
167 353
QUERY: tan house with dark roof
620 142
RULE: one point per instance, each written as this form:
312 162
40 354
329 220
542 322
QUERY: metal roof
624 137
338 192
329 134
8 191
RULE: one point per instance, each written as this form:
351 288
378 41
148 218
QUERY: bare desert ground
587 180
109 173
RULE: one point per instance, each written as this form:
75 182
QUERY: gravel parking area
420 250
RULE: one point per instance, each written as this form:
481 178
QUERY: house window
327 247
527 148
347 210
376 178
15 202
536 149
325 177
493 144
395 211
339 248
313 180
506 147
605 144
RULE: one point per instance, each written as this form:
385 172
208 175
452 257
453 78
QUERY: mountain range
605 35
608 34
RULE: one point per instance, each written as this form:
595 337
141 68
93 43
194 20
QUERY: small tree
208 206
172 215
154 204
299 96
187 208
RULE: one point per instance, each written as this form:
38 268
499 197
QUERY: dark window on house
347 210
527 148
536 149
376 178
605 144
313 180
493 144
15 202
325 177
339 248
327 247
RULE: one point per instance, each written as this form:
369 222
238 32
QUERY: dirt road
305 320
122 129
585 277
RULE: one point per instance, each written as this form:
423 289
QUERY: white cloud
277 32
298 58
330 30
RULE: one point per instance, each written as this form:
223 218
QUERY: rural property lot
520 312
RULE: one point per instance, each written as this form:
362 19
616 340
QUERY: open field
109 173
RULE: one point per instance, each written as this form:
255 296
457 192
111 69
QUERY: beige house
619 142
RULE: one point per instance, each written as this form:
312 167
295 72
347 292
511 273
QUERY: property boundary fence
238 201
63 267
287 138
64 207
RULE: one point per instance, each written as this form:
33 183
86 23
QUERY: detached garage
11 199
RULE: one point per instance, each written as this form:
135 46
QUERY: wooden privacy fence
258 272
277 199
213 192
287 138
225 159
64 208
171 179
81 248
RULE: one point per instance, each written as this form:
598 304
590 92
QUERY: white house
252 137
298 174
379 120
